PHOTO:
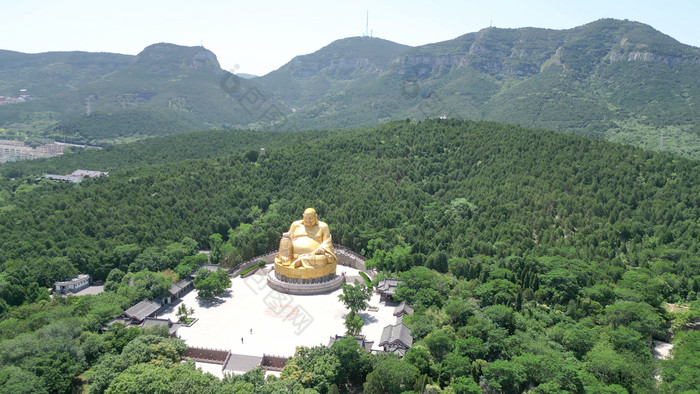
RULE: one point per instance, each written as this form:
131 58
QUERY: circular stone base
331 284
301 273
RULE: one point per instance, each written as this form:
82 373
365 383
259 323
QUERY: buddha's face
309 218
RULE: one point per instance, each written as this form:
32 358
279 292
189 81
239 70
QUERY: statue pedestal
321 285
304 273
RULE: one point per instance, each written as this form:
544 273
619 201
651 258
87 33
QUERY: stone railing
273 363
206 355
351 259
269 257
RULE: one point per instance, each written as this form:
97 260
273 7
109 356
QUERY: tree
639 316
680 372
459 311
421 286
114 279
355 298
215 244
355 361
439 343
391 376
124 255
452 366
183 313
465 385
606 364
189 264
502 316
505 376
497 291
419 357
15 380
558 286
317 368
211 284
353 324
164 378
149 284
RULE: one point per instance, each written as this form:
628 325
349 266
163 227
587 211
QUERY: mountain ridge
618 80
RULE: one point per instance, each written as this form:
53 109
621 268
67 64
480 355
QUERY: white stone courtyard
269 322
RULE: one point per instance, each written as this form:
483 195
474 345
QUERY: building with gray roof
73 285
360 341
179 289
386 288
139 312
397 336
156 322
403 309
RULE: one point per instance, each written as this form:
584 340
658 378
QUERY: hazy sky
260 36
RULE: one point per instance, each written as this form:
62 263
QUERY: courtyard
252 319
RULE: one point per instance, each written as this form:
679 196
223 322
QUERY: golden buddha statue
306 250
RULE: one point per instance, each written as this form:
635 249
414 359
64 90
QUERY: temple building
139 312
73 285
396 338
386 289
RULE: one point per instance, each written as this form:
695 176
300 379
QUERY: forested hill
441 188
165 89
45 74
616 80
534 259
159 150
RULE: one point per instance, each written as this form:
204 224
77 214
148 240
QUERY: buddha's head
310 218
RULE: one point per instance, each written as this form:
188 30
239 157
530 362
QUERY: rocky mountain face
618 80
308 78
611 79
45 74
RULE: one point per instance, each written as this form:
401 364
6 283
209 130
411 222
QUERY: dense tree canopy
532 259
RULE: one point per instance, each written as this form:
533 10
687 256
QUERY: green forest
535 260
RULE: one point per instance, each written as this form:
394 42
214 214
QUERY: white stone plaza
252 319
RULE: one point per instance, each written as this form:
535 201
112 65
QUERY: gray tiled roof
71 281
360 341
154 321
387 286
174 288
395 335
403 309
142 310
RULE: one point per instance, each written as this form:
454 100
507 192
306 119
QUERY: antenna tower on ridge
367 25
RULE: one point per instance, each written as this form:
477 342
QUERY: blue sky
260 36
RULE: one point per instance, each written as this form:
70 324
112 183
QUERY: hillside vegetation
534 259
165 89
617 80
159 150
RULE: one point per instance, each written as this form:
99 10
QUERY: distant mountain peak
167 57
345 56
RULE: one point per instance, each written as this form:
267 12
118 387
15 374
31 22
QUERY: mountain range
617 80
